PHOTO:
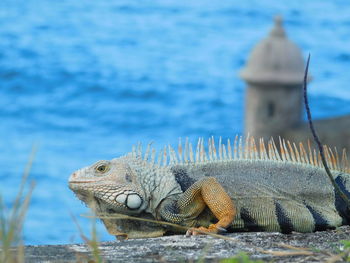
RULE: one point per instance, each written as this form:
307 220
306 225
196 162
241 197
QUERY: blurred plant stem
12 219
93 242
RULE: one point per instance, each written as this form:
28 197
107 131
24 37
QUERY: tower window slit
270 109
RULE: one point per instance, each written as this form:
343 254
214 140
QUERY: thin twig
288 253
317 140
292 247
121 216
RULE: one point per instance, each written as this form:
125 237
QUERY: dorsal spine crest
242 149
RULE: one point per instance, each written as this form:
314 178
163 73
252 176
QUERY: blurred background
85 80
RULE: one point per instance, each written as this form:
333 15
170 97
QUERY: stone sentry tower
274 75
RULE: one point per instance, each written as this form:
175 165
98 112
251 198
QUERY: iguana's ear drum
129 174
128 177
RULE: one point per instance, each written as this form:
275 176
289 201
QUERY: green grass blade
12 220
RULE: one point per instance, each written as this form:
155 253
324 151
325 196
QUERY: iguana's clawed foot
122 237
203 230
119 235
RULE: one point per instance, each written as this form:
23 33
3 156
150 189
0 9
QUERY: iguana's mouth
98 205
81 182
84 198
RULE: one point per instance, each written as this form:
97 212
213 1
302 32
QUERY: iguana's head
109 186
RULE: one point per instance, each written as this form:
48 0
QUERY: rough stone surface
321 246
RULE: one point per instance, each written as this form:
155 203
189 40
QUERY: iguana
248 186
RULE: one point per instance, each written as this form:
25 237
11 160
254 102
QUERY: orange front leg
209 192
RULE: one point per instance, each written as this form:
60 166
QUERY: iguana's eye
102 168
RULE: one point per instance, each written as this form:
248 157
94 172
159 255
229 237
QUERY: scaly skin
254 190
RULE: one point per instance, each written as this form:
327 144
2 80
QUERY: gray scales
272 189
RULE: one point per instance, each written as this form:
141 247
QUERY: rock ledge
321 246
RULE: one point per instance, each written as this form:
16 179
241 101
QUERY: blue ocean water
85 80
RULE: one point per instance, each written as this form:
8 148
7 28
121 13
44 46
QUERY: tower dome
275 60
274 75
